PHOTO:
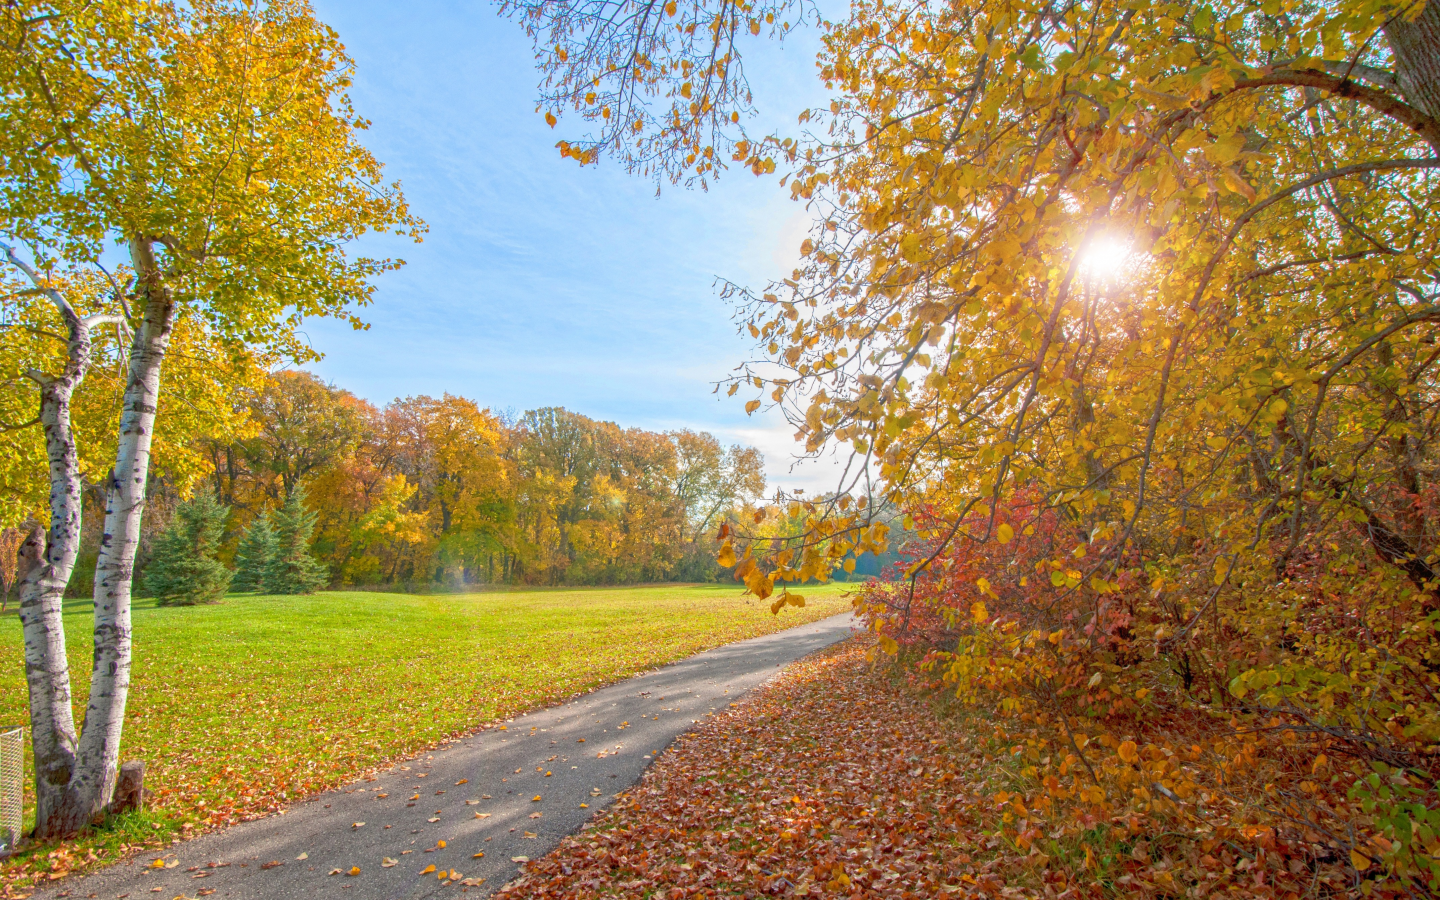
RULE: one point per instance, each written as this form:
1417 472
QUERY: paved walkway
509 792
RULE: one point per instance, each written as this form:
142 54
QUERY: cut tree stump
130 788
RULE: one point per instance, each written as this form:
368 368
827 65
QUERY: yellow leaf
887 643
1360 861
1004 534
535 799
387 862
727 555
1128 751
755 27
978 612
752 406
354 870
550 119
427 870
670 8
440 844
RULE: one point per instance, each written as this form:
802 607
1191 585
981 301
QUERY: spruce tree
184 570
254 554
292 570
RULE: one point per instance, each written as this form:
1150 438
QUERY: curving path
509 792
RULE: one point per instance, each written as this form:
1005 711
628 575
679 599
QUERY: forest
430 493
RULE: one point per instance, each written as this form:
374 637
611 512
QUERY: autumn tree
10 539
214 144
303 426
1131 311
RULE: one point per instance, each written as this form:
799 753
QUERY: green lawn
240 707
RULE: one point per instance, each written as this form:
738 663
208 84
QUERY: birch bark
46 562
98 754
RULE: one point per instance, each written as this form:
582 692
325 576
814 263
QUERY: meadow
243 706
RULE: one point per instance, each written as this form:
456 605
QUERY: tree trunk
1416 46
46 562
98 756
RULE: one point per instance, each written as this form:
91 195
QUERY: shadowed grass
241 707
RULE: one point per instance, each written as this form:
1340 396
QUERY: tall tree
292 569
215 144
184 570
254 554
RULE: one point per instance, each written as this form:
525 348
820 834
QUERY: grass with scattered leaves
241 707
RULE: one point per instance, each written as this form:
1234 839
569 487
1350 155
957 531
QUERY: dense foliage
428 492
1131 308
184 570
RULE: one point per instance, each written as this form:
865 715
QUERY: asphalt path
501 796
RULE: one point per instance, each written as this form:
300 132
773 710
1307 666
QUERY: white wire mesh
12 762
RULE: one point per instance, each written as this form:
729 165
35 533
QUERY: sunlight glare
1105 259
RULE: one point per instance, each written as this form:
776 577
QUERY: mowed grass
243 706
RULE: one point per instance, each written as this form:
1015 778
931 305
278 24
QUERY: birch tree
214 146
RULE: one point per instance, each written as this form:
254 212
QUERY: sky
541 283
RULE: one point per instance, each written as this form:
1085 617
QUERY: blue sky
541 283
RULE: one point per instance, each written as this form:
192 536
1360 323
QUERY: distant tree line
440 492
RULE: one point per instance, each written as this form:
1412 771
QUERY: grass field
240 707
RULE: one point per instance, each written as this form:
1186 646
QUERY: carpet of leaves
839 779
826 781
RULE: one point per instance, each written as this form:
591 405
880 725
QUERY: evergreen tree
253 556
184 570
292 570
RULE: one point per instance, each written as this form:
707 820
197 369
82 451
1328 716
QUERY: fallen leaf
535 799
302 856
531 834
584 806
478 855
427 870
272 864
387 862
381 796
482 815
536 815
519 859
440 844
462 781
354 870
472 802
334 872
433 819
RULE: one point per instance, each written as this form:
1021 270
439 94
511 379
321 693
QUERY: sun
1106 259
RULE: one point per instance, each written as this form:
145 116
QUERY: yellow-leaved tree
213 145
1131 309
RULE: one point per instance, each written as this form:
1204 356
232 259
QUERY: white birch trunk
97 757
46 562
